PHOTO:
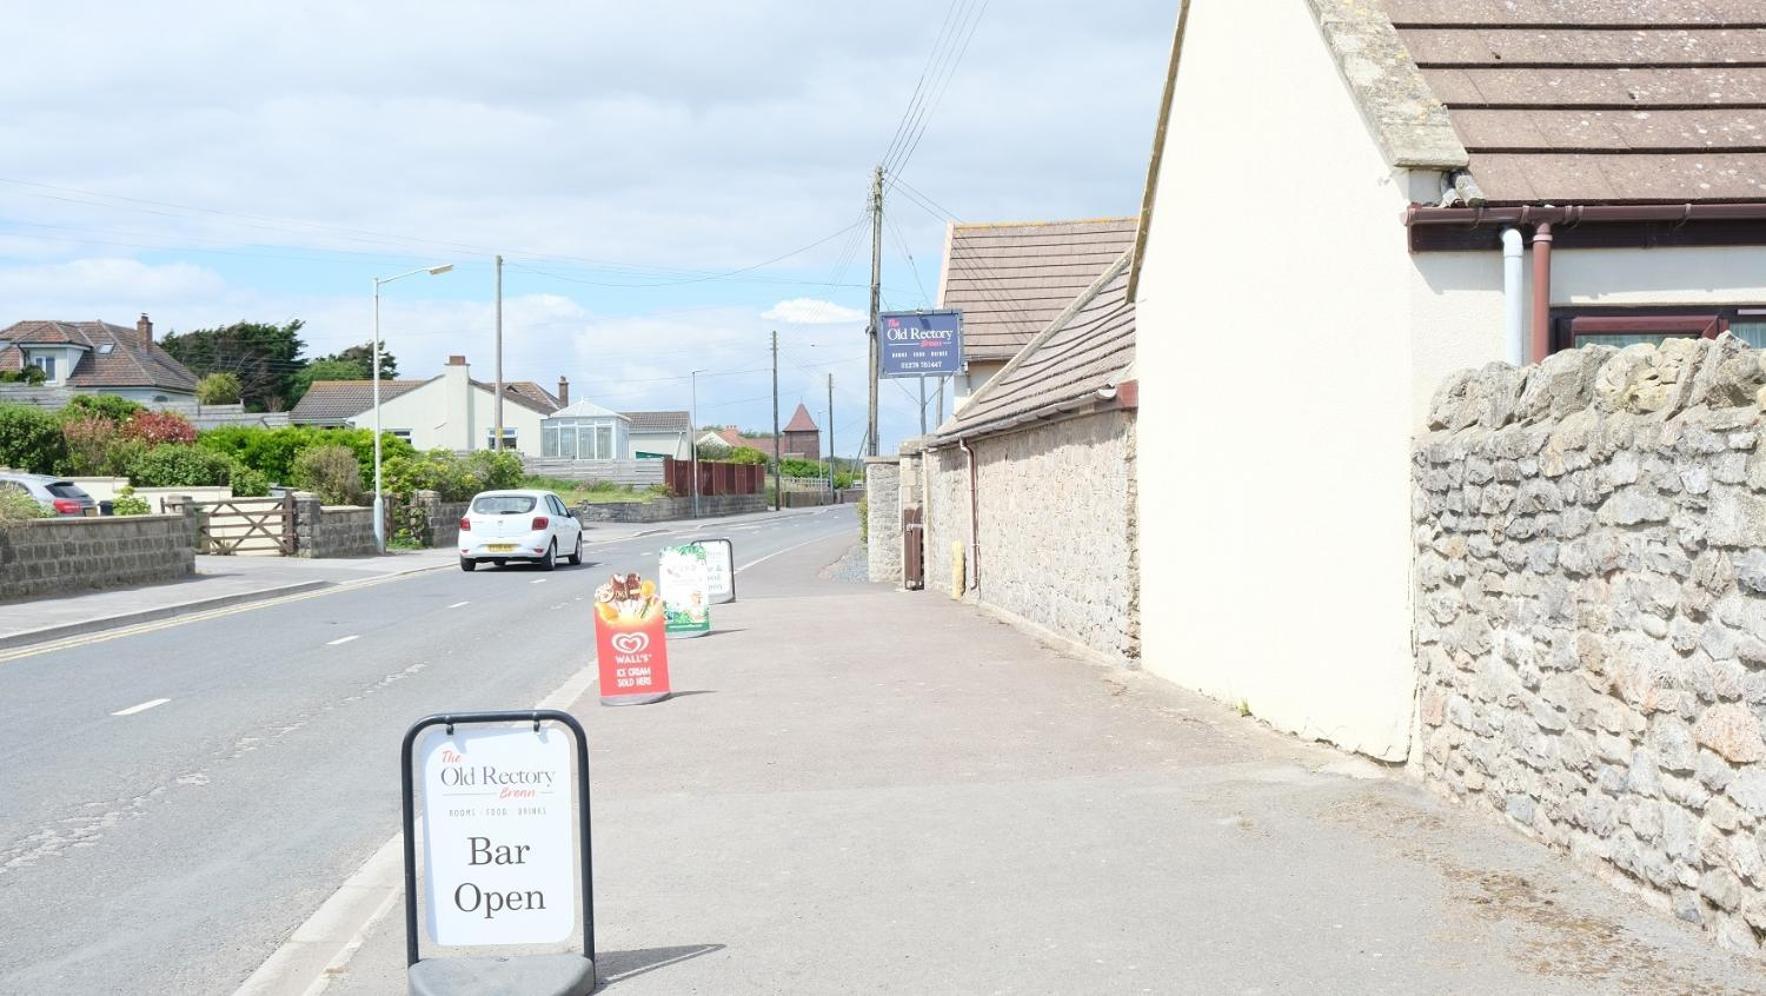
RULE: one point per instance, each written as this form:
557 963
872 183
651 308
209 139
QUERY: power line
902 244
902 126
950 72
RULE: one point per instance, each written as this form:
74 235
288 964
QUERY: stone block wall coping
882 460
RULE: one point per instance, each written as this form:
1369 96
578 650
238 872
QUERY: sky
668 183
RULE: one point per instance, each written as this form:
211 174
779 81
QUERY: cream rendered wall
976 377
451 413
1275 361
1456 297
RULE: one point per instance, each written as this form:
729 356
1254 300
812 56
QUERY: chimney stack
144 327
563 391
456 361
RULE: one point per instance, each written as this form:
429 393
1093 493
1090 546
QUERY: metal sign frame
725 540
888 350
407 781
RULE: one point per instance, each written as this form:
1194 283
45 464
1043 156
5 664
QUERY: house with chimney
449 411
98 358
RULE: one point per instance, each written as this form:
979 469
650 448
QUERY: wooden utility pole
876 297
832 490
497 440
778 495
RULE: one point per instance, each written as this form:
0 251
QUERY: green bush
452 477
174 465
218 389
248 483
127 502
16 506
105 406
31 440
90 441
331 472
272 452
747 455
29 375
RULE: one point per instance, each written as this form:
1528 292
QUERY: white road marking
537 581
143 707
458 604
343 639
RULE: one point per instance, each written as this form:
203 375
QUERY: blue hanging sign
921 343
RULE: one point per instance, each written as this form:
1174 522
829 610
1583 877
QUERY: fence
633 473
715 478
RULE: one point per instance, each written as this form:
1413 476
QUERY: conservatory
585 431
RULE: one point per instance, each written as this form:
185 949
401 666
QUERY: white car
500 526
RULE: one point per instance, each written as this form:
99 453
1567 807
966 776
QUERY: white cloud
811 311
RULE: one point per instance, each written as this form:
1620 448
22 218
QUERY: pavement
855 789
866 790
226 581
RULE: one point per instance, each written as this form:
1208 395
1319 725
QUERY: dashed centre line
342 639
458 604
143 707
537 581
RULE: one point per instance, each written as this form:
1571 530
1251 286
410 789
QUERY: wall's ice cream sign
631 642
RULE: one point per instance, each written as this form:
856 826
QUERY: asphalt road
171 849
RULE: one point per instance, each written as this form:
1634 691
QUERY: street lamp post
379 498
694 418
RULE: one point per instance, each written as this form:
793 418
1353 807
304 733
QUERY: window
604 443
104 348
45 364
509 439
549 440
404 434
1621 327
503 505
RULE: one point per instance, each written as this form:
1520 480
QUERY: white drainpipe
1514 303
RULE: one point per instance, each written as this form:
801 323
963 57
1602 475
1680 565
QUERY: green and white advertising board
685 582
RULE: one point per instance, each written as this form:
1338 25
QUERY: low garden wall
46 557
332 530
883 518
665 509
1591 615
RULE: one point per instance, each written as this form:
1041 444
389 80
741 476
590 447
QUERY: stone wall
1591 615
332 530
1055 542
665 509
47 557
883 518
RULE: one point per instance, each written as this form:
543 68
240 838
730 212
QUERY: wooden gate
247 526
913 548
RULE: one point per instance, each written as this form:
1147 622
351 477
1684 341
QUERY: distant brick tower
802 437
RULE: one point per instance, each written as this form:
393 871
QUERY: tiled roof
1011 280
659 421
1599 101
528 394
129 362
337 400
1088 348
800 421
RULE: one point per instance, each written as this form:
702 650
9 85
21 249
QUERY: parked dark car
53 493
